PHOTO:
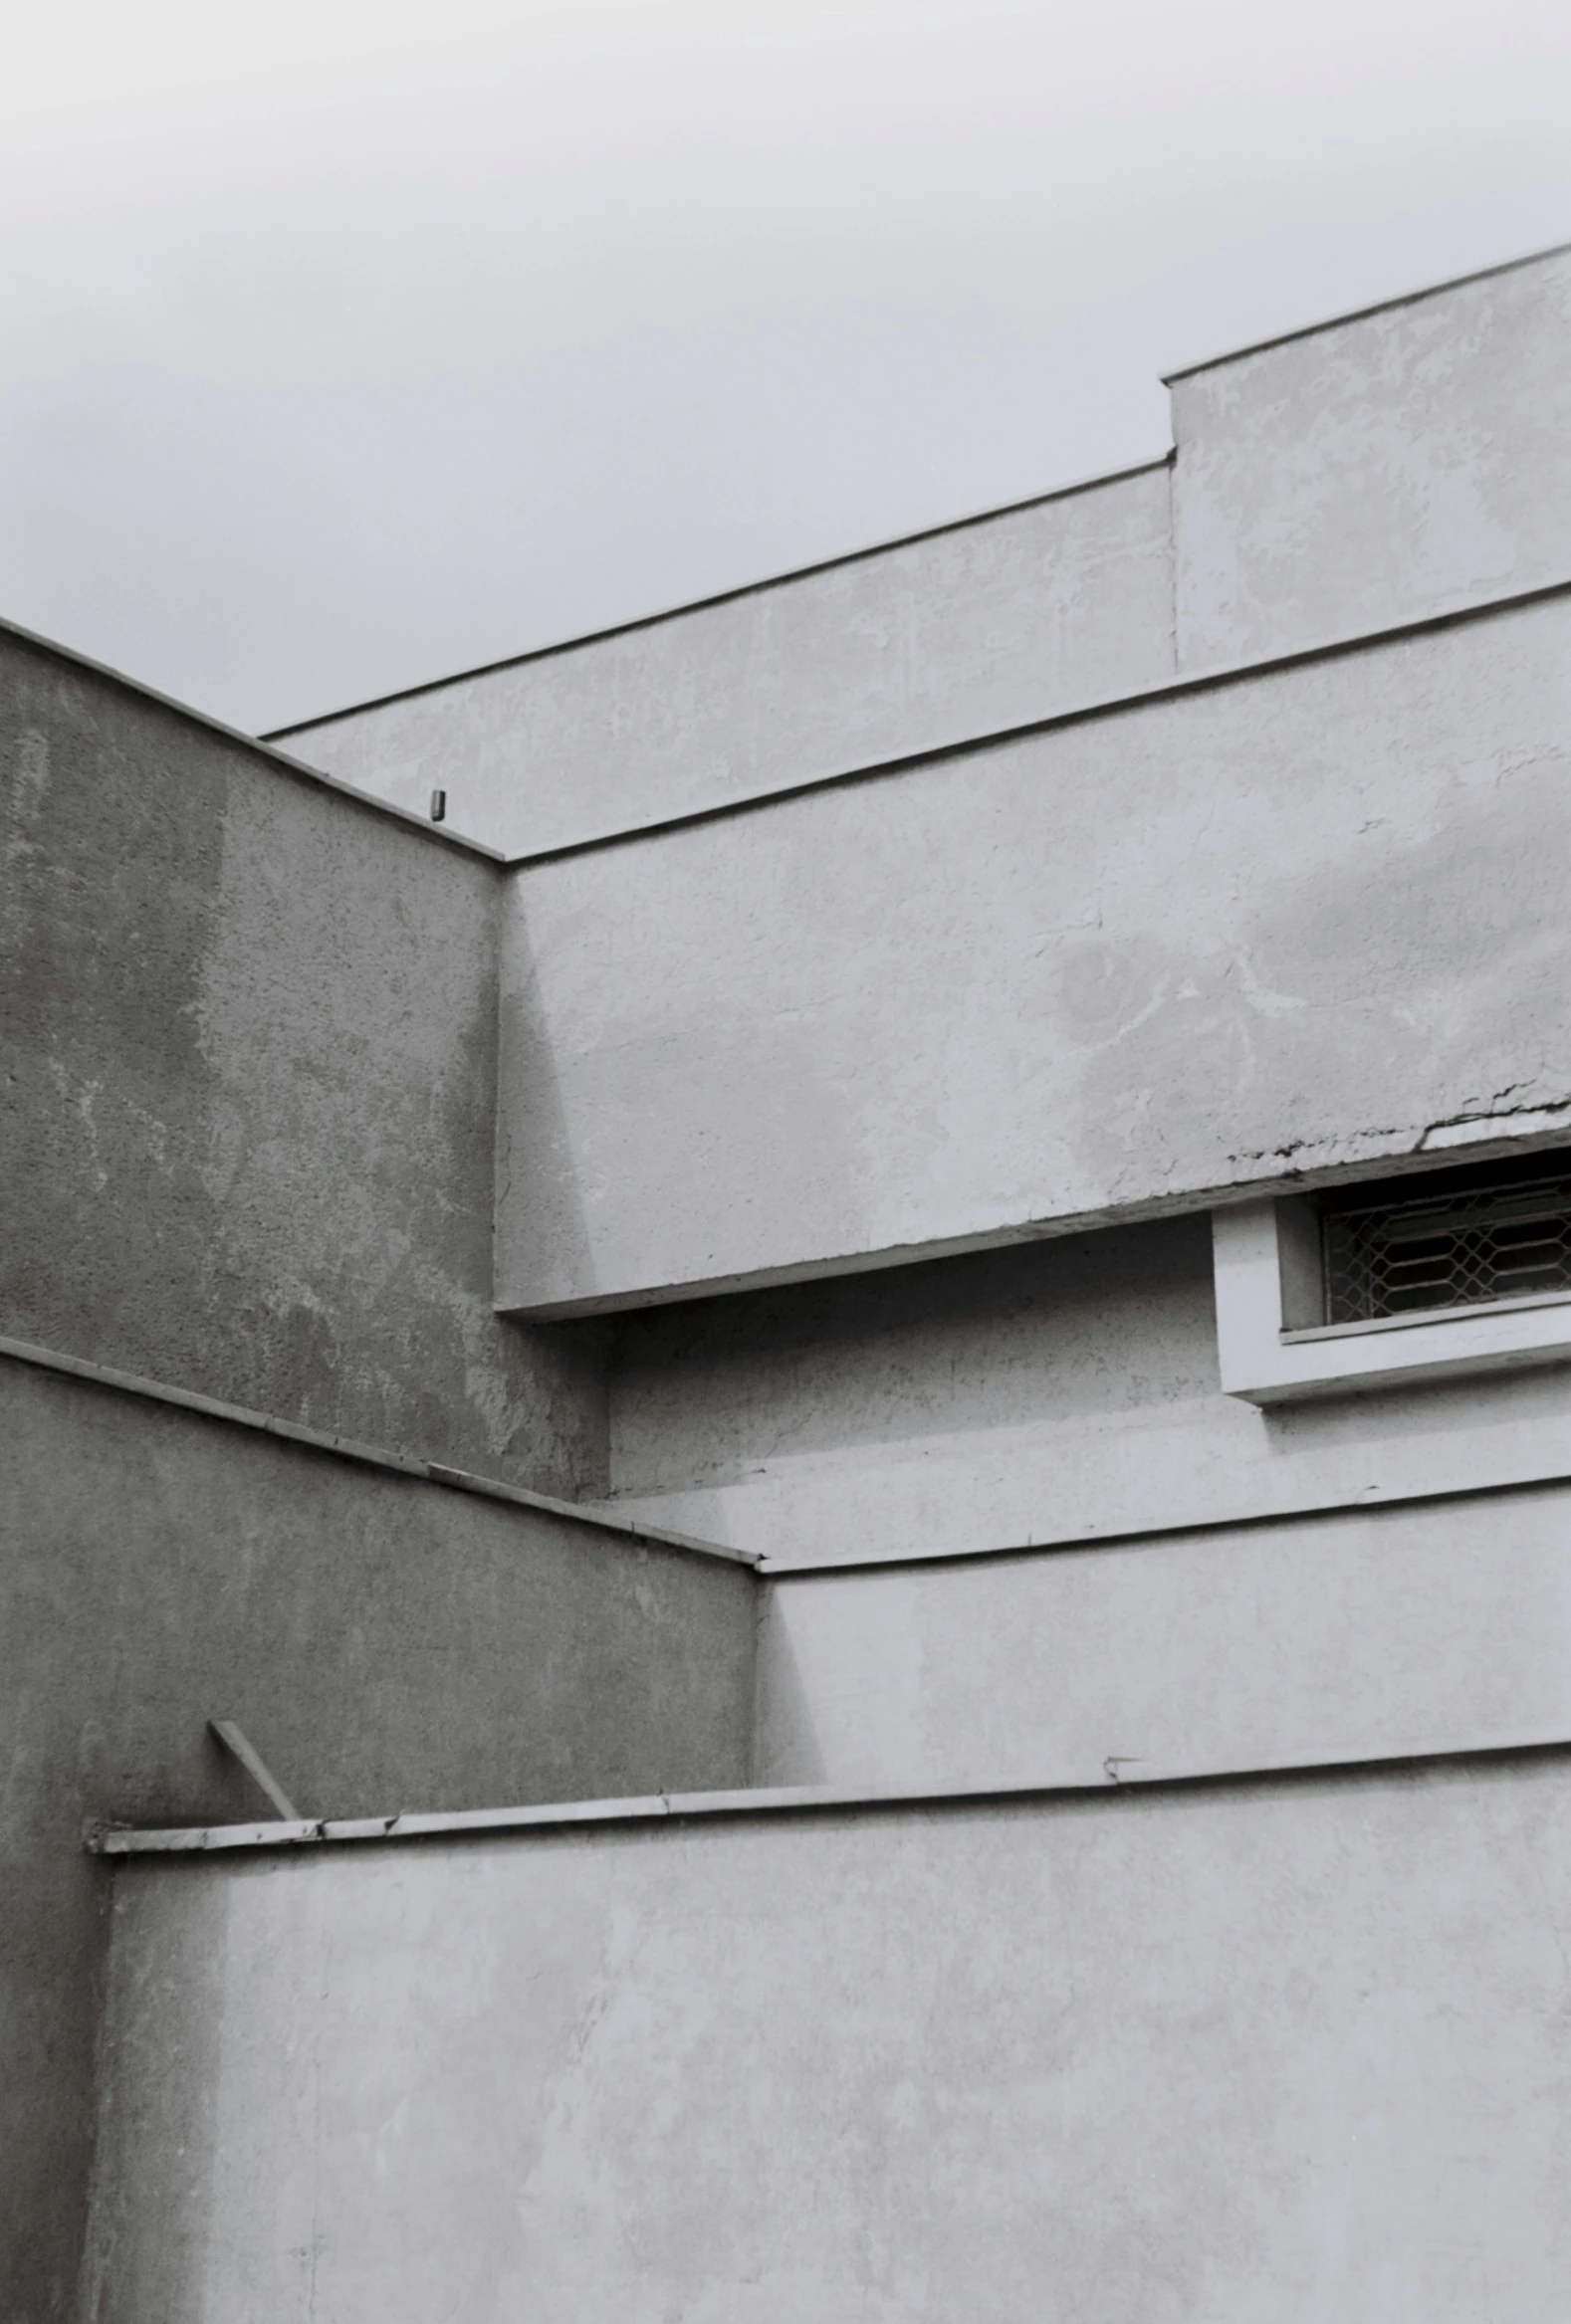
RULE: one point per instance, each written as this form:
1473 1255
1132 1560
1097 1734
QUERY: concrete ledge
759 588
1525 1480
257 746
368 1455
1309 330
1207 679
1114 1773
601 1517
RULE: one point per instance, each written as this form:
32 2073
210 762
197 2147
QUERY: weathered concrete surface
1369 472
1291 923
982 625
1054 1391
249 1033
385 1645
1375 470
1372 1631
1286 2052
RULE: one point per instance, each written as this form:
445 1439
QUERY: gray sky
353 341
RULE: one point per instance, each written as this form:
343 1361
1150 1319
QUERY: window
1451 1238
1409 1278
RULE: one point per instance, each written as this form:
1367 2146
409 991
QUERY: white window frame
1267 1259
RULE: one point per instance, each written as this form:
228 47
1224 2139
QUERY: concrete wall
984 624
1375 470
248 1032
1364 472
385 1645
1304 920
1375 1630
1285 2051
1056 1392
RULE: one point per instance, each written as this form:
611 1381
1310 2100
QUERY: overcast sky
353 341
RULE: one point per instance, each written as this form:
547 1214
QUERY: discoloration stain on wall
252 1055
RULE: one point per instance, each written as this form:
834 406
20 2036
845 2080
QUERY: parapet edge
1308 331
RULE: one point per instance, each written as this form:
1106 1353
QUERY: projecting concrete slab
1303 921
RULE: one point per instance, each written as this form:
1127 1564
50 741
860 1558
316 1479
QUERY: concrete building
862 1390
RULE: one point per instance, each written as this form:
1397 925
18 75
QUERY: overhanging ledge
1115 1772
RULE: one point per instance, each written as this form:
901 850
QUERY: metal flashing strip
1115 1772
257 743
429 1472
1107 706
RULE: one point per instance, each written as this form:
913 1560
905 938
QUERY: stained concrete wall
249 1031
1376 1630
1056 1392
980 625
1305 921
385 1645
1283 2050
1375 470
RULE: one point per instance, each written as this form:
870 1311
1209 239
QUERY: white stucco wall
1289 2050
1302 920
1376 1630
983 625
1375 470
1363 472
1057 1391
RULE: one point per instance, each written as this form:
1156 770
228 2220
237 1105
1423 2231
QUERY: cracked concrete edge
1114 1773
1483 1135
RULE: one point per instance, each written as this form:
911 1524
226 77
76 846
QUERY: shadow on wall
1068 1328
538 1196
598 1068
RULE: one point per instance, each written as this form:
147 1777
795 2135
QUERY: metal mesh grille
1449 1239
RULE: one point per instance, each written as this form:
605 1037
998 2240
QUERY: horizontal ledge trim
600 1517
428 1473
1481 1137
758 588
257 745
1241 1521
1115 1772
1411 1318
1078 714
1309 330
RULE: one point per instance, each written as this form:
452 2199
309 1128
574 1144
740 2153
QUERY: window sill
1264 1361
